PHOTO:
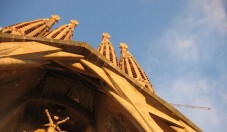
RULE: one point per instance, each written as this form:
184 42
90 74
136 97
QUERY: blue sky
182 45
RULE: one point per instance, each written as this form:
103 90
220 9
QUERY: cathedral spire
107 49
129 65
64 32
34 28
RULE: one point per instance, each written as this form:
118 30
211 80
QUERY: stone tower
64 32
129 65
107 49
35 28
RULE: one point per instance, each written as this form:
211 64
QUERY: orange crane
191 107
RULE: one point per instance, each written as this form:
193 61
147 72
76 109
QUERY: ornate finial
124 50
123 45
105 38
74 22
106 35
56 17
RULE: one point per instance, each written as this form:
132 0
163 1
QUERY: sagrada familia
49 83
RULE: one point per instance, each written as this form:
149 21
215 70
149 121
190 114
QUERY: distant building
47 77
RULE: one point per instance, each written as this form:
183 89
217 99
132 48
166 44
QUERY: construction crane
191 107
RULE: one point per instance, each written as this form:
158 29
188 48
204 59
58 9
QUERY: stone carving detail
52 126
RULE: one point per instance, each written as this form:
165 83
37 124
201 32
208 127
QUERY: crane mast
191 107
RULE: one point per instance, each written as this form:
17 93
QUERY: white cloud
191 89
224 97
195 91
193 27
214 14
190 60
186 49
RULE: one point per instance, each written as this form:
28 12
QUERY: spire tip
123 45
56 17
74 22
106 35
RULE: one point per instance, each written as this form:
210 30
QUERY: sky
180 44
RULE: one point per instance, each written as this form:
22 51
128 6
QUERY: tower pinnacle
105 38
55 17
34 28
74 23
123 45
107 49
124 50
64 32
129 65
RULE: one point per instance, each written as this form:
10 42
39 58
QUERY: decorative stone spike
129 65
107 49
35 28
64 32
